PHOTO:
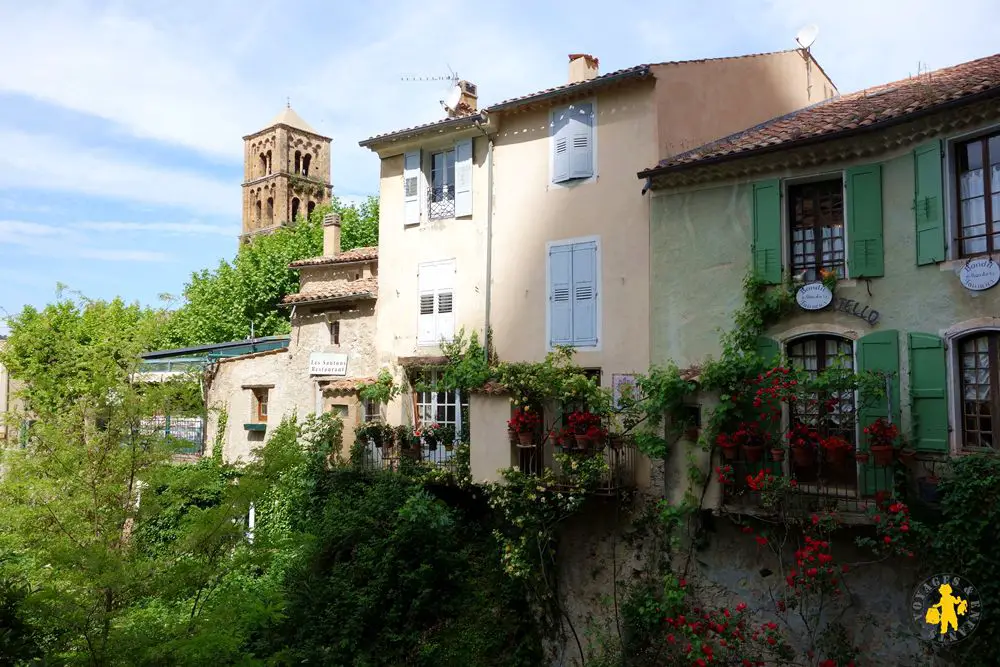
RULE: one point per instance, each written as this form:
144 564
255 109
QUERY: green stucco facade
702 245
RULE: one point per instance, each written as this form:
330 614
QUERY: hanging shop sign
980 274
814 296
327 363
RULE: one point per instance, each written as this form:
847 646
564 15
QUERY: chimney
467 100
582 67
331 234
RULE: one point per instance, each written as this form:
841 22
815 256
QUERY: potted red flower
586 427
729 446
802 440
882 441
525 422
749 437
835 450
777 454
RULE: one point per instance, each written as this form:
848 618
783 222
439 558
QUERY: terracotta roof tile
873 108
342 384
355 255
362 289
491 388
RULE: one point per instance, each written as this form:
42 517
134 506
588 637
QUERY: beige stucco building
286 173
331 351
10 405
526 218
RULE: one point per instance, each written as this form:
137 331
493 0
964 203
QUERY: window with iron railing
441 195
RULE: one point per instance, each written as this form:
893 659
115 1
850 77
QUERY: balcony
619 475
441 202
389 458
849 488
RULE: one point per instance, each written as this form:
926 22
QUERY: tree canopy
221 304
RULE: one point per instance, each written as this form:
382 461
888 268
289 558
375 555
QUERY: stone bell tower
286 173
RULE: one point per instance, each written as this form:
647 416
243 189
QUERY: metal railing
441 202
620 472
188 429
389 458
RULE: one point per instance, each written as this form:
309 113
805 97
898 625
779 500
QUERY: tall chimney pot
582 67
331 234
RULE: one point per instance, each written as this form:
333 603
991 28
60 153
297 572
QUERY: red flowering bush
880 433
815 570
584 423
725 475
772 488
746 434
802 435
525 420
774 387
835 444
893 530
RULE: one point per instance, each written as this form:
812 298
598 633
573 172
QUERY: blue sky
121 122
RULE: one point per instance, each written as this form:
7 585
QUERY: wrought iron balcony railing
441 202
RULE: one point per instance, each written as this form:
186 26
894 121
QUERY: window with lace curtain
979 360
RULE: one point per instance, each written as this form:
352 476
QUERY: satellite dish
807 35
454 96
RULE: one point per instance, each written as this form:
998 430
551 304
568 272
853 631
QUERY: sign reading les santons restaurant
327 363
980 274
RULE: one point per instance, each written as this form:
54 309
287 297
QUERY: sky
121 122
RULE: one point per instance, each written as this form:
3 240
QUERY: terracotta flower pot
777 454
512 436
584 442
861 457
803 456
882 454
753 453
836 457
526 439
907 455
729 452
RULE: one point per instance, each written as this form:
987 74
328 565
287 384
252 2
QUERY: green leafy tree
221 305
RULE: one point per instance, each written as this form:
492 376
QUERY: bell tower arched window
295 208
309 209
270 211
306 161
298 162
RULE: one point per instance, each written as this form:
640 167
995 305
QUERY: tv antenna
451 96
807 36
452 77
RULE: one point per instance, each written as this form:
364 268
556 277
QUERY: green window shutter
864 222
928 392
767 231
878 351
768 350
928 203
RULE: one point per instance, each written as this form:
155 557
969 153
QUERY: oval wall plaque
814 296
980 274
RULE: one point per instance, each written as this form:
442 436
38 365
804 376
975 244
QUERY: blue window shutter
463 178
560 145
560 295
411 188
585 294
581 141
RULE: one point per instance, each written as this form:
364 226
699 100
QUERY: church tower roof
287 116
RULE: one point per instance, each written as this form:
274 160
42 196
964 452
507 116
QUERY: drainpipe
489 234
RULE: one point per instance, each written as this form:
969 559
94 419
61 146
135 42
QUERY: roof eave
361 296
833 136
290 127
401 135
346 262
639 72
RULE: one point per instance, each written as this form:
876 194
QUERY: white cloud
65 242
47 163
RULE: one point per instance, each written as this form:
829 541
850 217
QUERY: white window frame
953 369
598 281
452 264
574 182
949 173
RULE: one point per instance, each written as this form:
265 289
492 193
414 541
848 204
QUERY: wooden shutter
560 292
411 188
878 351
928 203
928 392
585 293
769 350
767 231
426 330
560 145
463 178
445 301
865 257
581 141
